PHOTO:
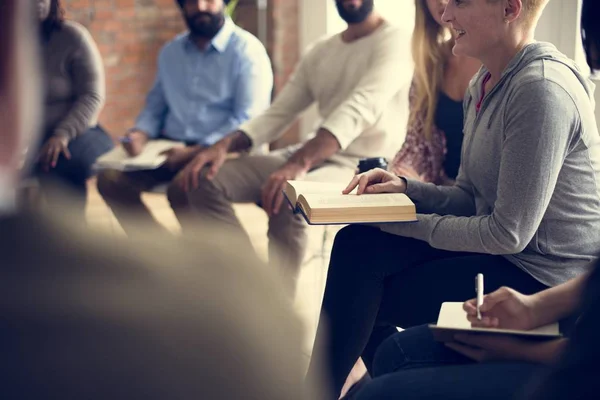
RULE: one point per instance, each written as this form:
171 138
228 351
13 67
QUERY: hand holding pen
134 141
504 308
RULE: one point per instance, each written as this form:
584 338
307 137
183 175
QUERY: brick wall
130 33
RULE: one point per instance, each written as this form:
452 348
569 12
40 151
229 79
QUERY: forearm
559 302
548 352
236 142
81 115
316 151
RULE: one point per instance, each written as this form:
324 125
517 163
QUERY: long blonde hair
430 53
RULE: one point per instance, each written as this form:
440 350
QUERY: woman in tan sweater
74 96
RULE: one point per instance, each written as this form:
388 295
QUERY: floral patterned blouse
431 158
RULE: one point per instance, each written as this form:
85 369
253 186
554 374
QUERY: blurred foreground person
85 318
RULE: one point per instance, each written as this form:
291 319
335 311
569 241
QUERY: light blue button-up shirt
201 96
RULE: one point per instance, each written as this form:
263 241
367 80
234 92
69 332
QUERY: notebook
453 319
150 158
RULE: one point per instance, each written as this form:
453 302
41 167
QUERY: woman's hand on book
505 308
489 348
376 181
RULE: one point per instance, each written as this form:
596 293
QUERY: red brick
130 33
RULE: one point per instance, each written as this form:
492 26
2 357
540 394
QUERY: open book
323 203
150 158
453 319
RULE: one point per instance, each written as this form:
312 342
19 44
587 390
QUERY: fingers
269 194
215 167
66 152
278 200
195 171
485 322
467 351
128 148
470 305
386 187
500 295
351 185
363 182
54 154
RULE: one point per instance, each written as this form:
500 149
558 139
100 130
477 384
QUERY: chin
460 49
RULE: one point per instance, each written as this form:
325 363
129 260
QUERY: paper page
354 201
149 158
452 315
305 187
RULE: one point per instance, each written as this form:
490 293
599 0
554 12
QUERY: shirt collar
222 38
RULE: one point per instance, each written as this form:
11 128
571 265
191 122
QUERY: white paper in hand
150 158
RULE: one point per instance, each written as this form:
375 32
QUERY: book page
355 201
150 157
306 187
453 316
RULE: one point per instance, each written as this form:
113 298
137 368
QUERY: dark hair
55 18
180 2
590 32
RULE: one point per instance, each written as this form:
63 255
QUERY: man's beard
355 16
202 27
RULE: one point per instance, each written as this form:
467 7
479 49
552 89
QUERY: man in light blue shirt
209 81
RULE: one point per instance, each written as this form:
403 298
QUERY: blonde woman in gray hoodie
525 208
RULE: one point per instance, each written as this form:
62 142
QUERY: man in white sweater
359 80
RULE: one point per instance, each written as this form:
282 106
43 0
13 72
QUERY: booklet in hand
150 158
322 203
453 320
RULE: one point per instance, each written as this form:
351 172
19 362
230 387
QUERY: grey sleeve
540 122
87 72
443 200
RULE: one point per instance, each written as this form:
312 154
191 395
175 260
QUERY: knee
389 356
208 191
109 183
176 195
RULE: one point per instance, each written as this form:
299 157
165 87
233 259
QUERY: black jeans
73 174
377 281
410 365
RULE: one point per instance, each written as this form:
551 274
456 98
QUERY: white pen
479 290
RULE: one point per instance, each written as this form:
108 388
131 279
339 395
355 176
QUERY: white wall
560 25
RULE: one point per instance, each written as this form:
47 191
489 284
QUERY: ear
512 10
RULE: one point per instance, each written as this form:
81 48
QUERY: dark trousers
71 175
411 365
377 281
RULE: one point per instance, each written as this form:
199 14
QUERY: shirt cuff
335 127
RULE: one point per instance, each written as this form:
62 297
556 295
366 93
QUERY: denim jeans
72 174
411 365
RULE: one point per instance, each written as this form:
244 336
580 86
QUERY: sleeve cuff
335 129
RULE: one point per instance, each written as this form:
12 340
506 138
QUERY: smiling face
479 26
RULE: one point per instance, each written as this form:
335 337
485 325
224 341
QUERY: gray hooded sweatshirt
529 182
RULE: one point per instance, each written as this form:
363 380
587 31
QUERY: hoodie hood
536 51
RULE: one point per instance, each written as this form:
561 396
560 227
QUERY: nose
202 5
447 16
